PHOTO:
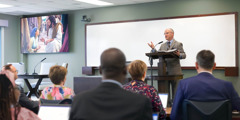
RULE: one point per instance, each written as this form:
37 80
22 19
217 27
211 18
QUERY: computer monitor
164 99
54 111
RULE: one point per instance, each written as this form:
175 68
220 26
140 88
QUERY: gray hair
171 30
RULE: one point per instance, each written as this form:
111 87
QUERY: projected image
44 34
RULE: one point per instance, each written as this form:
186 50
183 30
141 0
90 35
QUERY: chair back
45 67
65 65
44 101
212 110
64 101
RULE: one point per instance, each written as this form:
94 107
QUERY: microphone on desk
34 73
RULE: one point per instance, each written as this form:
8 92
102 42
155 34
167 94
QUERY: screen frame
65 35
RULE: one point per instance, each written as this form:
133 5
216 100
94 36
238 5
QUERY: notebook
164 99
54 111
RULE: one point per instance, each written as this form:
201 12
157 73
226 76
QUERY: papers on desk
168 51
164 99
235 112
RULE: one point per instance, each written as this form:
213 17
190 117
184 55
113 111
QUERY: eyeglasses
167 33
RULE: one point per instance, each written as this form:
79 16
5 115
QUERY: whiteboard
213 32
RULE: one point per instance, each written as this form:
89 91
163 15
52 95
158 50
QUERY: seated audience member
109 101
58 91
9 95
138 70
204 86
24 101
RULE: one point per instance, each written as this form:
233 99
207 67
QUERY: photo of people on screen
44 34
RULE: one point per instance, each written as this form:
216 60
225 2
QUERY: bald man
24 101
109 101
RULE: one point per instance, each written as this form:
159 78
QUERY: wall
11 39
76 56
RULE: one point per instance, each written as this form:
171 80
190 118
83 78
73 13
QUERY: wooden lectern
162 76
162 63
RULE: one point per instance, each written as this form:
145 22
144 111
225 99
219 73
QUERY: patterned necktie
168 43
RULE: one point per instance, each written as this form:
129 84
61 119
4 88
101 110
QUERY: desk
32 90
235 116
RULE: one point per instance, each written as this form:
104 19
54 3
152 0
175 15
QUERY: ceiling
31 7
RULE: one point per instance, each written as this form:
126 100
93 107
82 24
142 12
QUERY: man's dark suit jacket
24 101
110 102
203 87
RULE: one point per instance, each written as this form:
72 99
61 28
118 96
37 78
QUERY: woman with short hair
58 91
138 70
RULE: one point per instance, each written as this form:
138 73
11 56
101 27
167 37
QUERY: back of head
113 63
57 74
7 67
13 75
137 69
205 59
7 97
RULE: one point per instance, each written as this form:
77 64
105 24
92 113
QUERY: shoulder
177 42
226 83
148 87
67 88
133 96
47 88
26 114
127 85
187 81
165 43
84 95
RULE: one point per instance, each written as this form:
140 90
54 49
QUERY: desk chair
64 101
215 110
65 65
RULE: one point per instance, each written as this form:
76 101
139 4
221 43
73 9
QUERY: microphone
153 50
34 73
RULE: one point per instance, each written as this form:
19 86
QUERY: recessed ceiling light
5 6
95 2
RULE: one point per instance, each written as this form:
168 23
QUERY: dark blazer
110 102
173 64
203 87
24 101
